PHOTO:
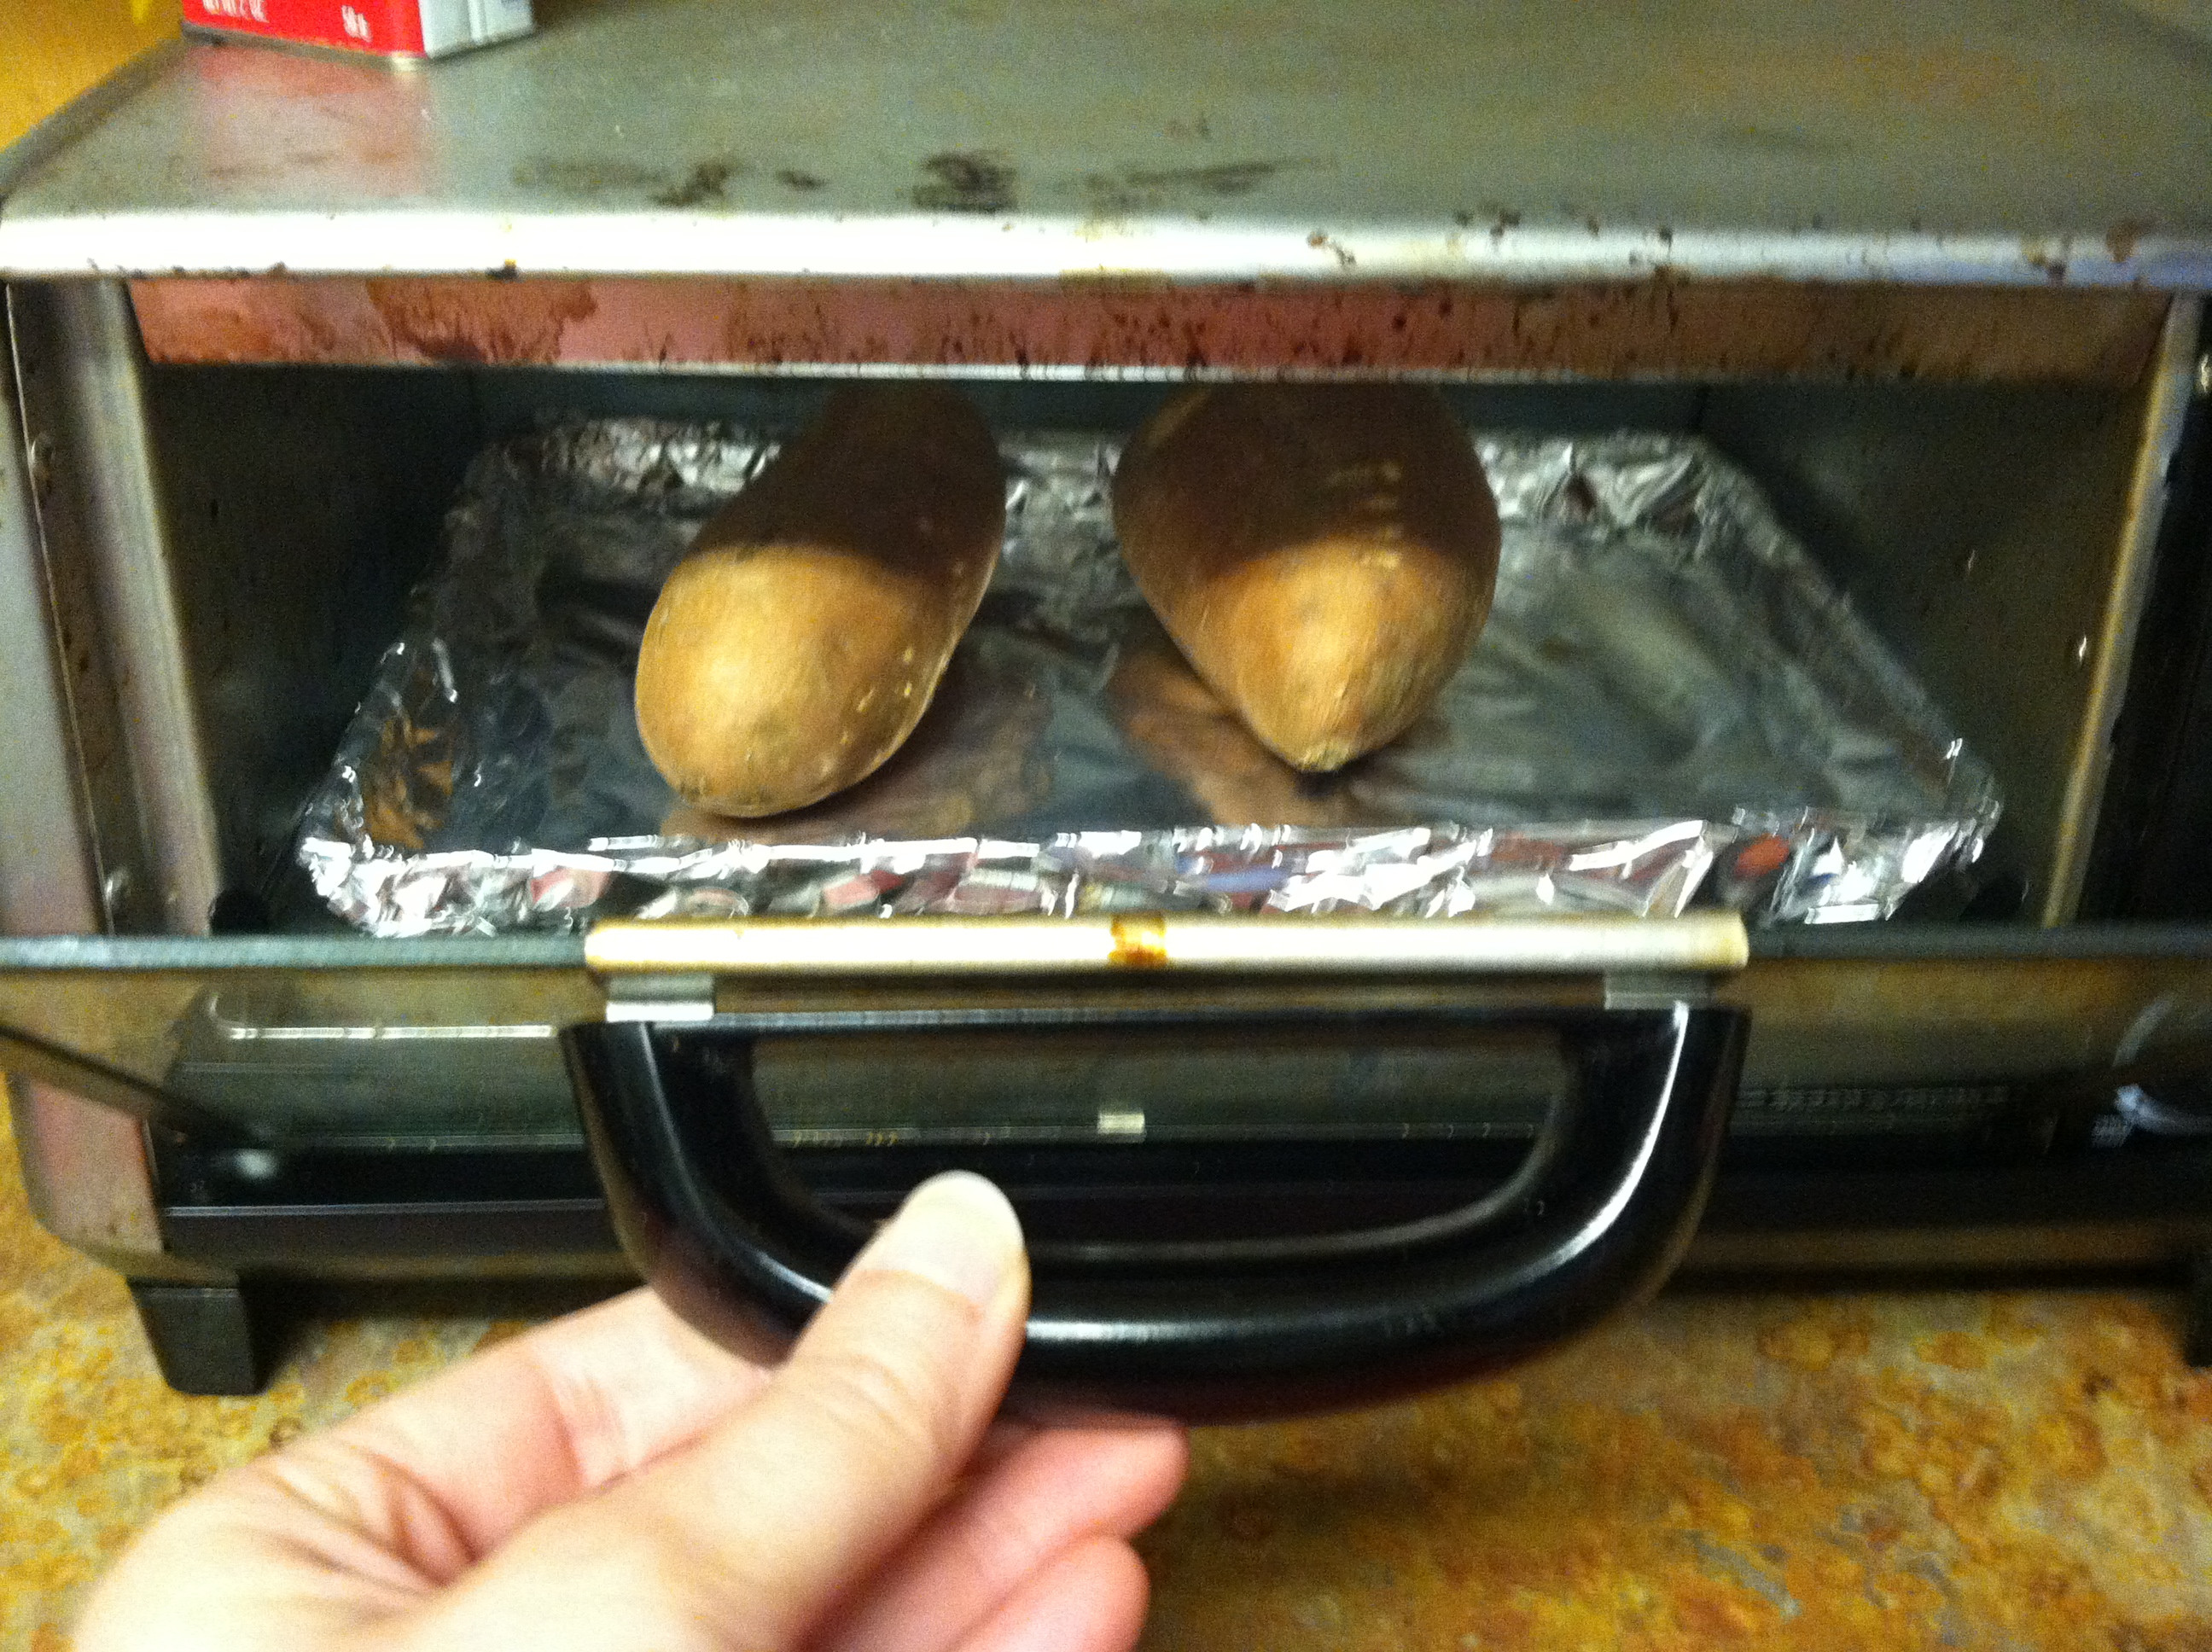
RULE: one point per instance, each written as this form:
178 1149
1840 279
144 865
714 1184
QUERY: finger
1048 1494
443 1473
1091 1598
363 1521
749 1536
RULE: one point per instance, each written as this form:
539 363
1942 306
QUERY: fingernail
955 1230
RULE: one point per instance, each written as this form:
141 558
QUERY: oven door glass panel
334 1039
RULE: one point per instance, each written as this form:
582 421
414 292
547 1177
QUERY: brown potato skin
1323 553
973 759
798 641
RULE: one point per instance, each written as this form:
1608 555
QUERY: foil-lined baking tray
1668 706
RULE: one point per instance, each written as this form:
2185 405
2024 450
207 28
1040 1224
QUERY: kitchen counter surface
1880 1471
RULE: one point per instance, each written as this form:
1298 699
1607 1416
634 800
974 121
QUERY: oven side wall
1999 537
85 1168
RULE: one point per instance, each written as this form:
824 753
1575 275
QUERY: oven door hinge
1655 989
660 998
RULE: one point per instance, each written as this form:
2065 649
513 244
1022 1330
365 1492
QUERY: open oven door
1262 1163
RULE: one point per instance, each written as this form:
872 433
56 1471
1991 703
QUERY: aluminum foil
1667 705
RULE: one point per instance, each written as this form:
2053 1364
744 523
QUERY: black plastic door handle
716 1221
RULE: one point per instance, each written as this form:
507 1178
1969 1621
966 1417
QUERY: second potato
1323 554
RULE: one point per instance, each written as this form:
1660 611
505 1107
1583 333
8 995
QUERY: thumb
751 1535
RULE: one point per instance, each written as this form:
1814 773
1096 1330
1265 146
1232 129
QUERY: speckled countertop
1888 1471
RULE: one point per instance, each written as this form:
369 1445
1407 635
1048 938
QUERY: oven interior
1976 527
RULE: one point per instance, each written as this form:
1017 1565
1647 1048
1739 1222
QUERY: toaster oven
1933 281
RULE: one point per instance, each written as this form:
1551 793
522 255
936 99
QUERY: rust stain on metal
1106 321
479 323
1140 942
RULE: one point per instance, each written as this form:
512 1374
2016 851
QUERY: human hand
612 1482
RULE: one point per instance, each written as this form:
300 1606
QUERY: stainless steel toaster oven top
1973 141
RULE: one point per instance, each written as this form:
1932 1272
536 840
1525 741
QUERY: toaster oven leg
203 1336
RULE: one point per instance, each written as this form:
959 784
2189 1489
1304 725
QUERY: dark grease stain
792 178
965 180
1232 178
1136 189
587 179
2122 239
708 181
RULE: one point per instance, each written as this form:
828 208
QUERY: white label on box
497 19
449 25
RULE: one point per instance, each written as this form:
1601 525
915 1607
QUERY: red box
381 28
